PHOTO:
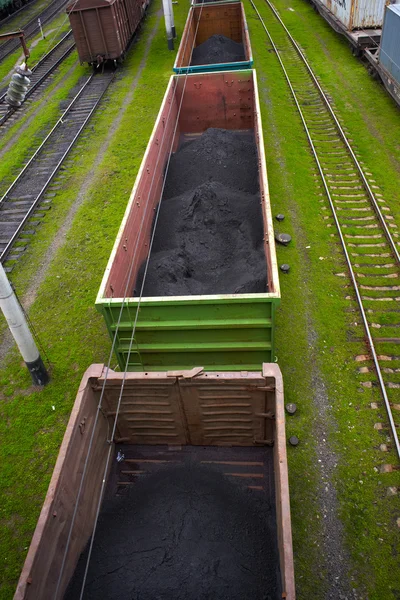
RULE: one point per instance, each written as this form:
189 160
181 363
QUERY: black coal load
183 534
209 234
217 49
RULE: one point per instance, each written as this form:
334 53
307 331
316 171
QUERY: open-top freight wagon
103 29
212 28
197 500
225 327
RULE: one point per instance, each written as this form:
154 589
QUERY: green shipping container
232 332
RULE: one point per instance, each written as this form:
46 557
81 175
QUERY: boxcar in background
103 28
389 52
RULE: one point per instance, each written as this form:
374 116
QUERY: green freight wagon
234 332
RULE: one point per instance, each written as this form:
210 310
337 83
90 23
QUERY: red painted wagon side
103 28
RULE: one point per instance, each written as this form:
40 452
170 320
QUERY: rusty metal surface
356 14
221 409
38 579
224 19
226 100
42 566
102 29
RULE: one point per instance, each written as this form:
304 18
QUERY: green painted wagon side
220 333
233 332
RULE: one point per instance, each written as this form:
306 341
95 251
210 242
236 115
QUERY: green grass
53 32
313 298
44 120
19 20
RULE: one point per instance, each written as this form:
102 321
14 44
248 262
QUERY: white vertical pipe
171 8
167 7
15 318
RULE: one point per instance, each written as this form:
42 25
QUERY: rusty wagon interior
227 20
196 503
192 105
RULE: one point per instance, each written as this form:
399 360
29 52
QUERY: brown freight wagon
228 426
227 19
103 28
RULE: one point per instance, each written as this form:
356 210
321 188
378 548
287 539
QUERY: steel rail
32 27
367 187
42 60
41 79
341 236
15 13
9 245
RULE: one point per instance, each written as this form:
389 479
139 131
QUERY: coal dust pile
217 49
184 533
209 234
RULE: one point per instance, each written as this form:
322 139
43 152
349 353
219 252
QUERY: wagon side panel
43 565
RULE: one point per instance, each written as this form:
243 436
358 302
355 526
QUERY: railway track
367 231
28 192
32 27
11 16
40 74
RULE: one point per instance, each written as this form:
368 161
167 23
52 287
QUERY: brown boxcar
234 422
103 28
